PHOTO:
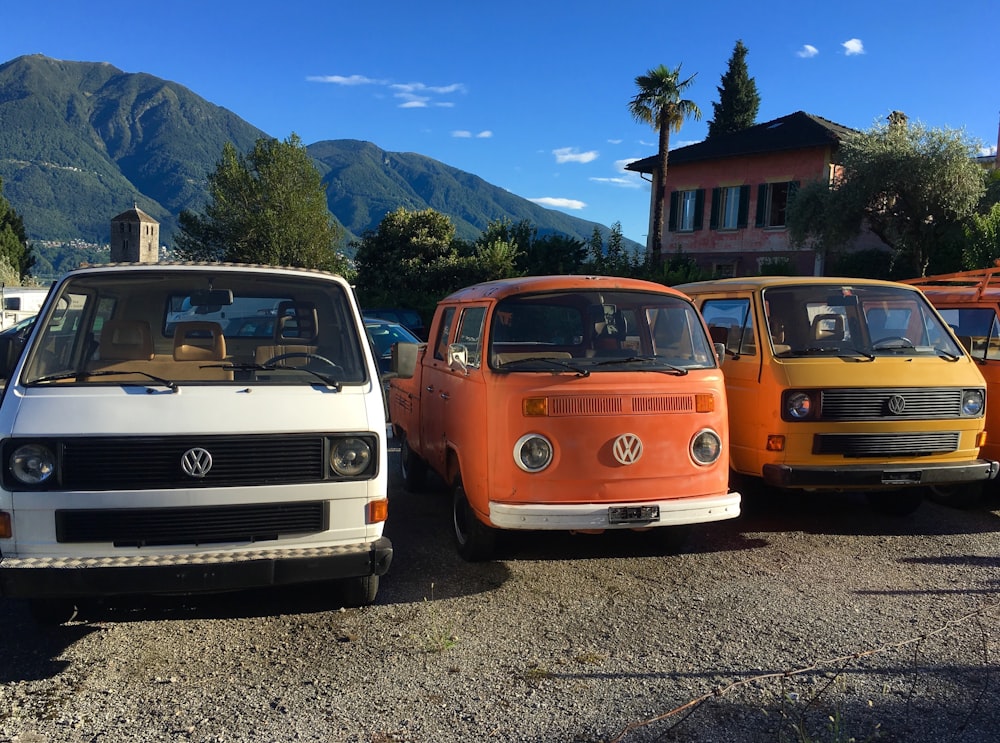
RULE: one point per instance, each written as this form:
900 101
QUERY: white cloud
485 134
558 203
345 80
853 47
988 150
572 155
807 51
466 134
623 181
614 141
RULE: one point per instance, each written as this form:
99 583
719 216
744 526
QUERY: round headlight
706 446
32 464
350 457
533 452
798 405
973 402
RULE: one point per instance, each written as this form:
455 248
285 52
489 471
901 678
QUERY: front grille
886 444
147 463
137 527
620 404
901 403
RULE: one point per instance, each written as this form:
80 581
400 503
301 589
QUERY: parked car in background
410 319
384 335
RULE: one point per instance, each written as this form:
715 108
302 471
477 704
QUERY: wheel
359 591
412 466
50 612
896 502
474 539
964 495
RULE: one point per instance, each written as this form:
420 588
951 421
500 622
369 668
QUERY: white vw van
179 428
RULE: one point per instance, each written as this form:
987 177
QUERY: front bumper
181 574
836 477
587 516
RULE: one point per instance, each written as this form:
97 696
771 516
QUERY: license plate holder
633 514
908 477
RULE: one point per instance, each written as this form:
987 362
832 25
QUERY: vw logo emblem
897 404
627 449
196 462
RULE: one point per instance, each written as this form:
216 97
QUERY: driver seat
285 329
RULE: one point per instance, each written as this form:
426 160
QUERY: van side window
444 333
730 322
470 333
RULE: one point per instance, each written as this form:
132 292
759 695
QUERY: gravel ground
797 622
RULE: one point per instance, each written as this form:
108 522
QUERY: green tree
14 249
738 98
266 207
914 187
982 234
658 103
553 254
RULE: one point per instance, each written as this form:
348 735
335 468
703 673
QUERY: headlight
706 446
350 457
533 452
798 405
32 464
973 402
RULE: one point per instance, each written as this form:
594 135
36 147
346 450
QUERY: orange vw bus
574 403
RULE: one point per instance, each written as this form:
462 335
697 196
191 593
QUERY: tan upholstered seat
199 340
123 340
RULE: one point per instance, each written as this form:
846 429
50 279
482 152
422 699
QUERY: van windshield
592 331
836 319
171 326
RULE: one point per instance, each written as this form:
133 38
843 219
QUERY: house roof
792 132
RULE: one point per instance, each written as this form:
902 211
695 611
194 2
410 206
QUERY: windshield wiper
670 368
549 360
328 381
105 373
946 354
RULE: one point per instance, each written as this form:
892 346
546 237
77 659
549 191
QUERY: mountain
80 142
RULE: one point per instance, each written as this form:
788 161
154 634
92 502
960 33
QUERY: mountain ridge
82 141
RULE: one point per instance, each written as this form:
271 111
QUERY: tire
51 612
474 540
359 591
896 502
412 466
966 495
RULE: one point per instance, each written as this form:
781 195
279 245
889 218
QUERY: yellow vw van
845 384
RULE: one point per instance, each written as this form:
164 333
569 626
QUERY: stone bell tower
135 237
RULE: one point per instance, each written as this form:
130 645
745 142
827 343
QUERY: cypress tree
738 97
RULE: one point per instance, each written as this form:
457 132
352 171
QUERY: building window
686 208
730 205
772 201
724 270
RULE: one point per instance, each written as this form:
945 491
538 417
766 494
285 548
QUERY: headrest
126 340
199 340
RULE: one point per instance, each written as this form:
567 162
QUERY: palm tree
659 104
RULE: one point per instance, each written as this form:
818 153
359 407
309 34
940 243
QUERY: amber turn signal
378 511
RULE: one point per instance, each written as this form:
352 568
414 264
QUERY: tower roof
135 214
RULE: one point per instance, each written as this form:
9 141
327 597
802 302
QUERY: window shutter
672 219
699 208
741 219
761 204
713 219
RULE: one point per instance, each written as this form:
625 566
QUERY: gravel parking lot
818 621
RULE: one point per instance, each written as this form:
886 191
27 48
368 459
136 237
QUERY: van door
437 381
731 322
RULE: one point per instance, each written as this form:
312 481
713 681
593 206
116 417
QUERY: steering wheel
302 355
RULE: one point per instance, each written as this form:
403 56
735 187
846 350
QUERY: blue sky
533 96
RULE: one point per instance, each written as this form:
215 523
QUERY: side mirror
458 357
720 352
404 358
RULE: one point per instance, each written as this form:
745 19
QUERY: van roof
502 288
